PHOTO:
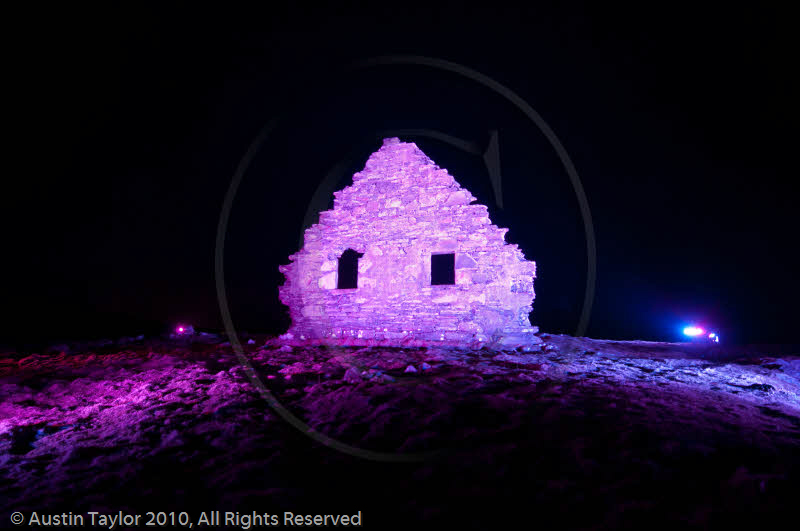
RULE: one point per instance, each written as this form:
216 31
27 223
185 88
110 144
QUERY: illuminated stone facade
400 210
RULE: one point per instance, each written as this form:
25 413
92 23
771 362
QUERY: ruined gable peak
404 164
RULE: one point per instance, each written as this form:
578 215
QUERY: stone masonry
401 209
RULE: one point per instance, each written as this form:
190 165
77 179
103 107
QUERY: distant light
180 329
712 335
693 331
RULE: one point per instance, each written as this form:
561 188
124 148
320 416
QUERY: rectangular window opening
348 270
443 269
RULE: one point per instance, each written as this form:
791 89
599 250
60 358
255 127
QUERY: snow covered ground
586 433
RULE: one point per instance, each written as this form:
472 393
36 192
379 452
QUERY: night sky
132 124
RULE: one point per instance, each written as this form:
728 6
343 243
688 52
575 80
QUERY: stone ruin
405 258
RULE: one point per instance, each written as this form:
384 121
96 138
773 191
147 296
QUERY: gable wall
400 210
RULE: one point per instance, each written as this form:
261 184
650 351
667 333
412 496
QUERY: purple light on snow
693 331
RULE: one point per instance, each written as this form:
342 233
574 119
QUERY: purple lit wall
401 209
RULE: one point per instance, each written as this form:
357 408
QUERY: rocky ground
583 433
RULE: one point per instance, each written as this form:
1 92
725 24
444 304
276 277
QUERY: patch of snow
352 375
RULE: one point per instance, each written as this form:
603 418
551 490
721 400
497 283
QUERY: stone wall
400 209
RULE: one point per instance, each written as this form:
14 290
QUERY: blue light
693 331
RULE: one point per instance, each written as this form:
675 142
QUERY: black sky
130 125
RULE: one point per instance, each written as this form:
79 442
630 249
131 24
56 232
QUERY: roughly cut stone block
447 245
464 260
328 281
444 298
463 278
